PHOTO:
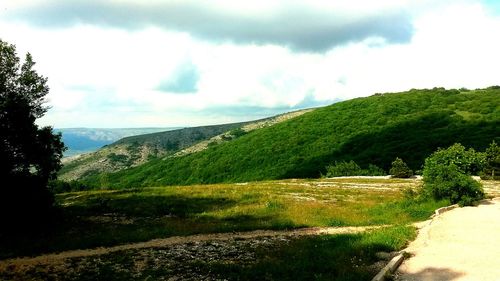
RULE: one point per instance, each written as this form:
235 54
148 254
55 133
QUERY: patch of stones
175 262
183 261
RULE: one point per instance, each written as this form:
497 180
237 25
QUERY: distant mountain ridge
372 130
84 140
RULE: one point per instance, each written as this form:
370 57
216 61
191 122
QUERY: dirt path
461 244
60 257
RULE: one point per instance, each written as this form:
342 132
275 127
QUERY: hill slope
85 140
135 150
373 130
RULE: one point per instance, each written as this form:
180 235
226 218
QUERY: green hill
372 130
132 151
135 150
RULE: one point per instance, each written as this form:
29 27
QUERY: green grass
103 218
372 130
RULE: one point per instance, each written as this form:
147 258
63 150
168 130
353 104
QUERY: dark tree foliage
30 156
351 168
399 169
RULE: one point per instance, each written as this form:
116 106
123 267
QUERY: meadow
90 219
110 217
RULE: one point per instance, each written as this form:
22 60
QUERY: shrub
447 175
399 169
117 158
468 161
238 132
374 170
492 165
450 183
59 186
342 169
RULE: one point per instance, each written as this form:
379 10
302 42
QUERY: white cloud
109 76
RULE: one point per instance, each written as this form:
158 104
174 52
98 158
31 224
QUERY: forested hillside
373 130
130 151
135 150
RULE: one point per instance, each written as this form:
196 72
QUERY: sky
134 63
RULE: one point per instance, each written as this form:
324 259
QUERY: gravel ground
175 262
175 258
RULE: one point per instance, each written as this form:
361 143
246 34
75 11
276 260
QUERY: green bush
492 166
399 169
117 158
468 161
59 186
447 175
374 170
450 183
343 168
238 132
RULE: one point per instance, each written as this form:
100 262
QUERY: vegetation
492 166
238 132
30 156
129 151
59 186
342 169
399 169
325 257
113 217
373 130
447 174
139 149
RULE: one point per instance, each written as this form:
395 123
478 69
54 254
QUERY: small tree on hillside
447 175
399 169
30 156
492 165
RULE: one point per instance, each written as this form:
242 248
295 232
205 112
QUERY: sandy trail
57 258
461 244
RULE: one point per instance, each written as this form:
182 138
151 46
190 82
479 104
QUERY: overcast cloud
296 24
185 62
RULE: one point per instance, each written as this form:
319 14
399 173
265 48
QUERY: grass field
103 218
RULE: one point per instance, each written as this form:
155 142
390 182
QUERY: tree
30 156
399 169
342 169
447 174
468 161
492 165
